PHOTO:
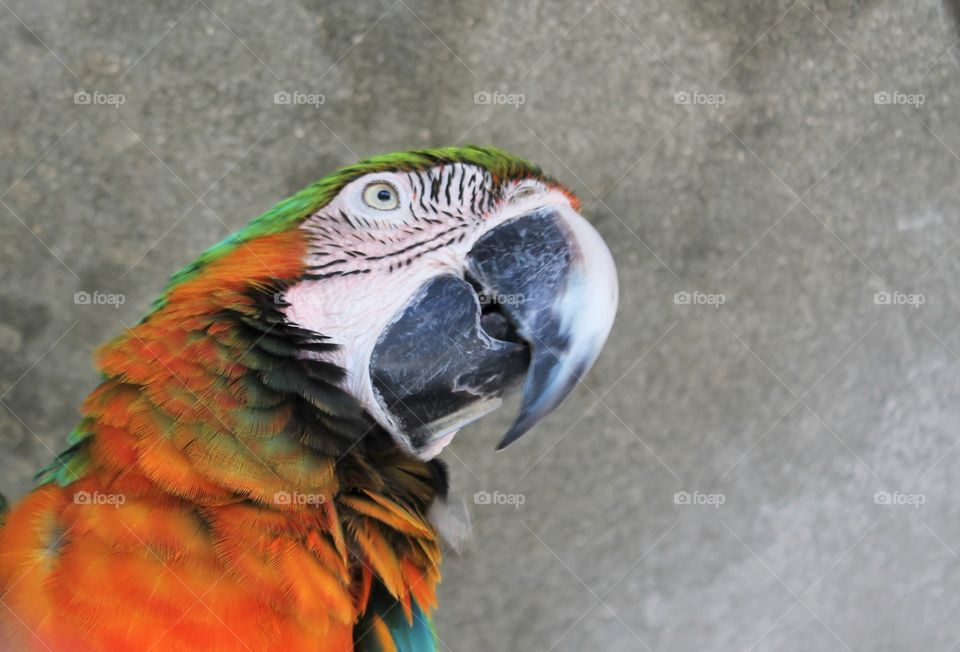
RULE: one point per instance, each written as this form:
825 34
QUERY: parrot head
439 280
447 278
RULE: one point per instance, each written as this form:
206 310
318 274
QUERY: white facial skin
380 239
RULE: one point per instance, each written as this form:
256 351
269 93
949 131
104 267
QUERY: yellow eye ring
381 196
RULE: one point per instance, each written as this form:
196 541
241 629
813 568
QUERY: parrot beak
555 279
536 306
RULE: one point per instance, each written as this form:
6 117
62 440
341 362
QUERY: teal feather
420 636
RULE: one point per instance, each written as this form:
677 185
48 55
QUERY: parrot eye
381 196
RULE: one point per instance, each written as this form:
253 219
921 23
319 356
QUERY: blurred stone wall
765 456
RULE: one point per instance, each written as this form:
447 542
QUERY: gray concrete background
797 200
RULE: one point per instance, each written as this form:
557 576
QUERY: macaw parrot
257 468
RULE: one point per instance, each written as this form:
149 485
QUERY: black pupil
383 195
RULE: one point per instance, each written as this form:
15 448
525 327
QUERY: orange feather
173 537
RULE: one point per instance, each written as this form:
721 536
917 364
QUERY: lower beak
537 306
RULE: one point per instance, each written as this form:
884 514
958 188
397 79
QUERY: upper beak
558 283
547 298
